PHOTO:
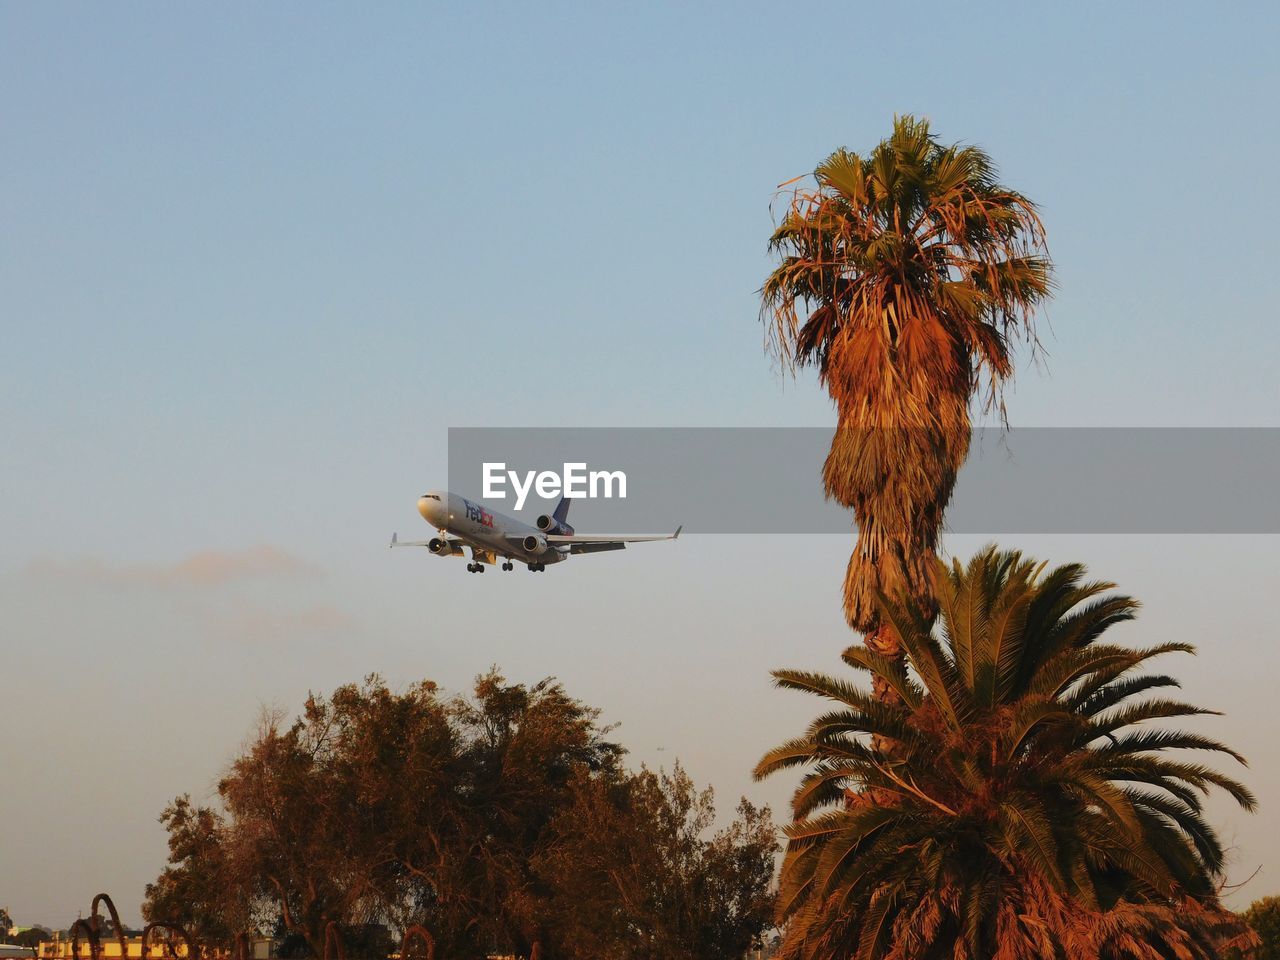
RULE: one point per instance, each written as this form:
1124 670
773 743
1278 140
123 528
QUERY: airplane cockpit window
431 496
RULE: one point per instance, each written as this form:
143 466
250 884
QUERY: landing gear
537 567
475 568
508 566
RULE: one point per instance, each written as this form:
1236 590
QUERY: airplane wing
397 542
589 543
455 544
596 547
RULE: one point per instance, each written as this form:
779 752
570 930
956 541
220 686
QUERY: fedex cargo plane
465 525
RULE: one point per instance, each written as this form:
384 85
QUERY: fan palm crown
904 276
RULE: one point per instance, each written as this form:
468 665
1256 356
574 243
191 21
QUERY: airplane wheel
471 568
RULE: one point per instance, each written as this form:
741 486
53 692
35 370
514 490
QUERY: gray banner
768 480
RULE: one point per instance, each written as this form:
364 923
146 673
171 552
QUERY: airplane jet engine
549 524
441 548
535 543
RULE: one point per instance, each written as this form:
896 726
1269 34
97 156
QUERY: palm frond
1027 783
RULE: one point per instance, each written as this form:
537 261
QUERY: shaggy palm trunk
898 482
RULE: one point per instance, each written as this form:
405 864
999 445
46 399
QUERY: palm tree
904 275
1029 813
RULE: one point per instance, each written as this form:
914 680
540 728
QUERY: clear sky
256 259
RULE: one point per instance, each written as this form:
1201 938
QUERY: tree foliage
631 875
382 808
193 889
1263 917
32 937
1027 808
904 276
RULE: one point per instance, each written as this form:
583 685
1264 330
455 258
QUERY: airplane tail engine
549 524
535 543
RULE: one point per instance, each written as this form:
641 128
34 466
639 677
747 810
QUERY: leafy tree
376 807
1263 917
905 273
630 873
1033 812
32 937
325 820
325 812
6 922
522 746
193 890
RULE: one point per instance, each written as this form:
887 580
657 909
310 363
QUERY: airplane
464 524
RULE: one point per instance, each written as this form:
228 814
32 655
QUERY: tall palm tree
904 275
1032 812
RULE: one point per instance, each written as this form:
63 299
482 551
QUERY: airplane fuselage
485 530
466 525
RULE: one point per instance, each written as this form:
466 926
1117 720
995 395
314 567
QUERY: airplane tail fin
561 513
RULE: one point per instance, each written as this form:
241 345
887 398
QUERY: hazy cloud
205 568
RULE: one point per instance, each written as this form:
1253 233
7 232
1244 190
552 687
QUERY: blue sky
254 261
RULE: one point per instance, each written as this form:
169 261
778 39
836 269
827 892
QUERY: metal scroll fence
162 939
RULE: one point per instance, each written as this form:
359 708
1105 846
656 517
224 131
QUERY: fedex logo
476 515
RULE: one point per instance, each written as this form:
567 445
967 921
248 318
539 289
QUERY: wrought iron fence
416 938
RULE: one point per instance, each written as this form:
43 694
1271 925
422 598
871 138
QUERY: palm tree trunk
884 642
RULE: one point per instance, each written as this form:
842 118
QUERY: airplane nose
429 509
